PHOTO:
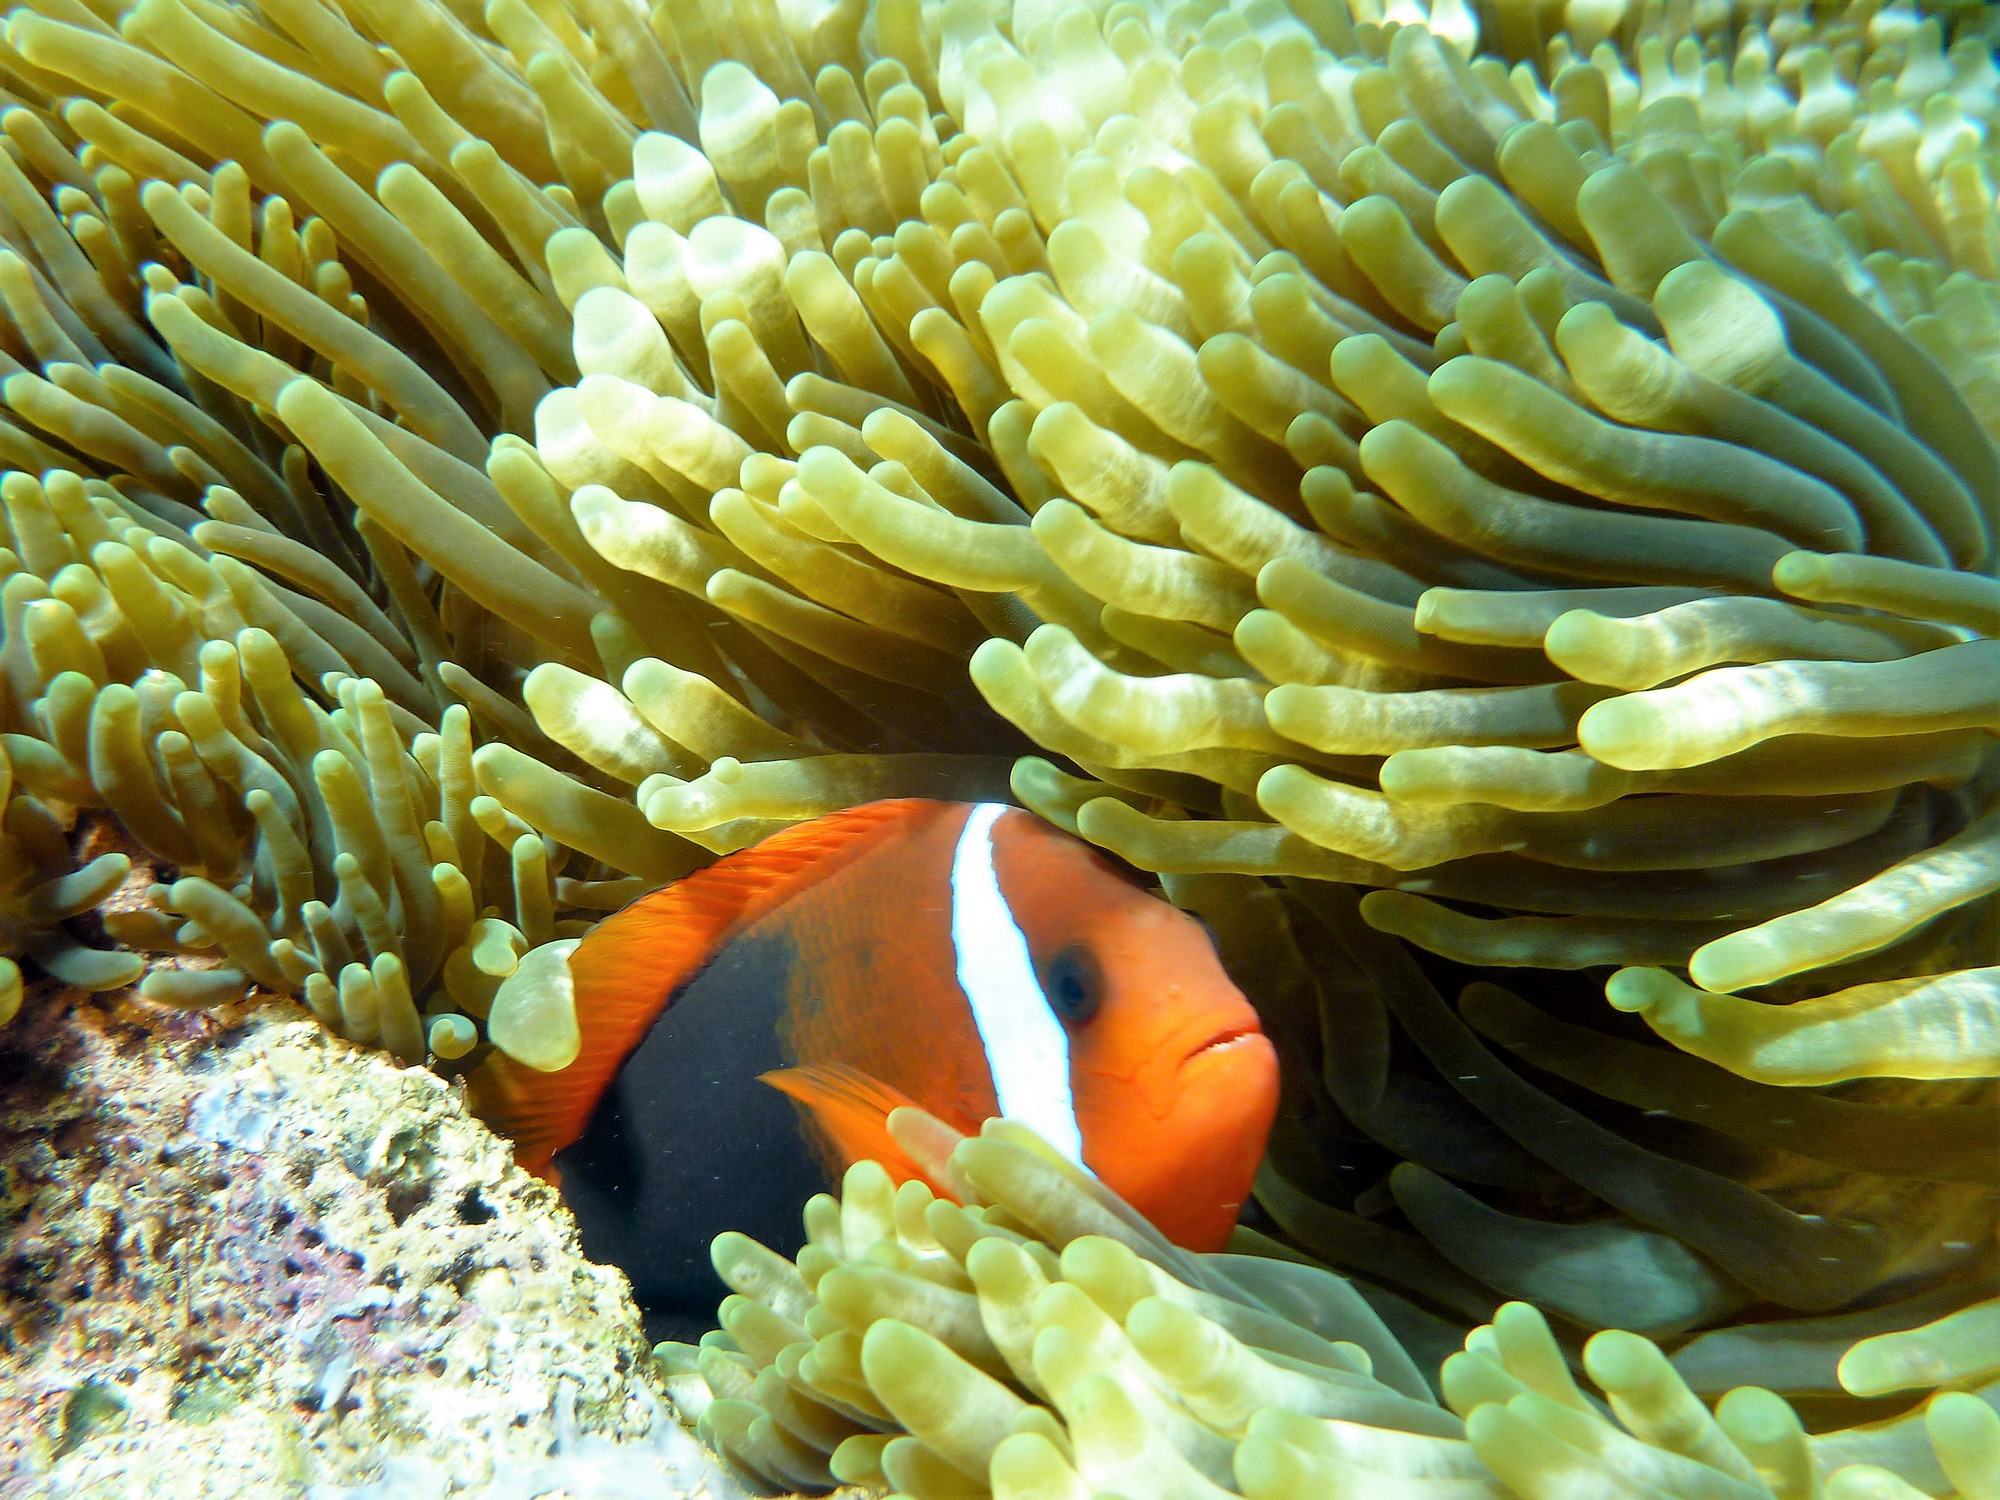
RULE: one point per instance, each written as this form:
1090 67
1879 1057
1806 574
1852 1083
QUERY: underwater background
1490 506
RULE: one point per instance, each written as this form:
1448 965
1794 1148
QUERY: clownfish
746 1031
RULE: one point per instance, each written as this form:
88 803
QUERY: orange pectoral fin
853 1109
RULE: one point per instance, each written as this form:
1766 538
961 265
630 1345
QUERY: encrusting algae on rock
245 1258
1534 464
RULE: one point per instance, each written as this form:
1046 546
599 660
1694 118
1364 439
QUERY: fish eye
1071 982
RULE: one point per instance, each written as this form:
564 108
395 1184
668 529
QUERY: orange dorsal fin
853 1109
627 969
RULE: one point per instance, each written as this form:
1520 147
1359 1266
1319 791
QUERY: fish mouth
1223 1040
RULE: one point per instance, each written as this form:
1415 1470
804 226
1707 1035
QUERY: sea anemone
1041 1340
1537 468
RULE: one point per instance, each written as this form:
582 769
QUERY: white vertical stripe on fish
1026 1046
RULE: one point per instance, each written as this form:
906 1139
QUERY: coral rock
247 1258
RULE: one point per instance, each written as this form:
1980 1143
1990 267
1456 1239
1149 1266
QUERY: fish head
1173 1081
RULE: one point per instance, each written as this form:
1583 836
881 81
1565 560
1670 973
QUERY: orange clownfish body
973 960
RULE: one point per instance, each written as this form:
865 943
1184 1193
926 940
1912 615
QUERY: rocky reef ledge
243 1257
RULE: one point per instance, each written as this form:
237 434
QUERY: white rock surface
243 1258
